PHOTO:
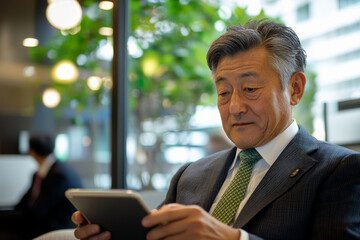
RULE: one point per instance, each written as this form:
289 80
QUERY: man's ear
296 87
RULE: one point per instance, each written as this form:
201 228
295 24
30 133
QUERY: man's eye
223 94
250 89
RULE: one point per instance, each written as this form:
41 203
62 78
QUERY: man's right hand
88 231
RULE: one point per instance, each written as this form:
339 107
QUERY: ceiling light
51 97
30 42
65 72
94 83
106 31
106 5
64 14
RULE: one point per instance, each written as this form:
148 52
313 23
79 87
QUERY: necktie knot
249 156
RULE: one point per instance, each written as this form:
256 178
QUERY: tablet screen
118 211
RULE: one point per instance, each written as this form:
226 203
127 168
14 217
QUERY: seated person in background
278 182
44 206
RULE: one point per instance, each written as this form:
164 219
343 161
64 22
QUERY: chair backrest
16 172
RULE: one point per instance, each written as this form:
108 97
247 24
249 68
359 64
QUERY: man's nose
237 103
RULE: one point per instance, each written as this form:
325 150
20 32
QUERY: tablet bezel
109 207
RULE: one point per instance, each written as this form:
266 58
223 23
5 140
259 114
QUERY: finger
102 236
166 230
86 231
77 218
166 214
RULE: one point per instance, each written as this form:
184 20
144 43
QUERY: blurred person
43 207
278 182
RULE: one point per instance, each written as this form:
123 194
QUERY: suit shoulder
215 159
336 151
320 150
224 154
65 171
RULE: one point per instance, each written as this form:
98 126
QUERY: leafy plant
168 73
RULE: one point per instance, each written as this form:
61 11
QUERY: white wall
15 177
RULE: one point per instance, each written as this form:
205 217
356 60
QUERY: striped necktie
229 203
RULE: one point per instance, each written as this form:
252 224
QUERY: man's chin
243 139
243 143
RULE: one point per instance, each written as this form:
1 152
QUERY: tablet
117 211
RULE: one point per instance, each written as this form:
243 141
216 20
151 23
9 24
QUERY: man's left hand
178 221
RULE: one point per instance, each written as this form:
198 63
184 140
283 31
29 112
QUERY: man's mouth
241 124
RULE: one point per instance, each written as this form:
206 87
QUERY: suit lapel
210 175
290 166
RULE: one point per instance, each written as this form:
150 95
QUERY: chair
62 234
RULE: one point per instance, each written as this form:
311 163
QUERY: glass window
303 13
173 116
346 3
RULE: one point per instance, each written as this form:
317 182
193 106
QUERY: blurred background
125 87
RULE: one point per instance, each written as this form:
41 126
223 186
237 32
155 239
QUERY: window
173 116
347 3
303 13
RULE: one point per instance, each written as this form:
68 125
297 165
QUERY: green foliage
176 37
81 42
170 76
168 73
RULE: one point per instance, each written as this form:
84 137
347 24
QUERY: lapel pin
295 172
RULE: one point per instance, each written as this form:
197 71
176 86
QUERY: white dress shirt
269 153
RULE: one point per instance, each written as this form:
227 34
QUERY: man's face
254 107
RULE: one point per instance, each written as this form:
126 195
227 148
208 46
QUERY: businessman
278 182
43 207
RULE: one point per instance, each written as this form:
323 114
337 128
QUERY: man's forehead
245 62
243 75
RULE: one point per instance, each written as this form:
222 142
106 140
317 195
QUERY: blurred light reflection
30 42
106 5
64 14
51 97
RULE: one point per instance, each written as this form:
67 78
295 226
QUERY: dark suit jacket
51 210
322 201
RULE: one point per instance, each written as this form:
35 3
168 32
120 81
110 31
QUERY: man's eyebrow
219 79
248 74
242 75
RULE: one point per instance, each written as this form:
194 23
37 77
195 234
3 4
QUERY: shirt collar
45 167
271 151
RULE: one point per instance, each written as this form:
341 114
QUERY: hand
177 221
88 231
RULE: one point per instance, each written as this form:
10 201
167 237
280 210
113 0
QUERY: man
301 188
44 206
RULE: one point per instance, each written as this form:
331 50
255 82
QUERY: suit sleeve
172 192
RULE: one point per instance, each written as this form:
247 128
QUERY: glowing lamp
30 42
106 5
94 83
65 72
51 98
64 14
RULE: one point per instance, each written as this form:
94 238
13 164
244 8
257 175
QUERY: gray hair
286 54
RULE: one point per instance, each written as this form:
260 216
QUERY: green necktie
229 203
